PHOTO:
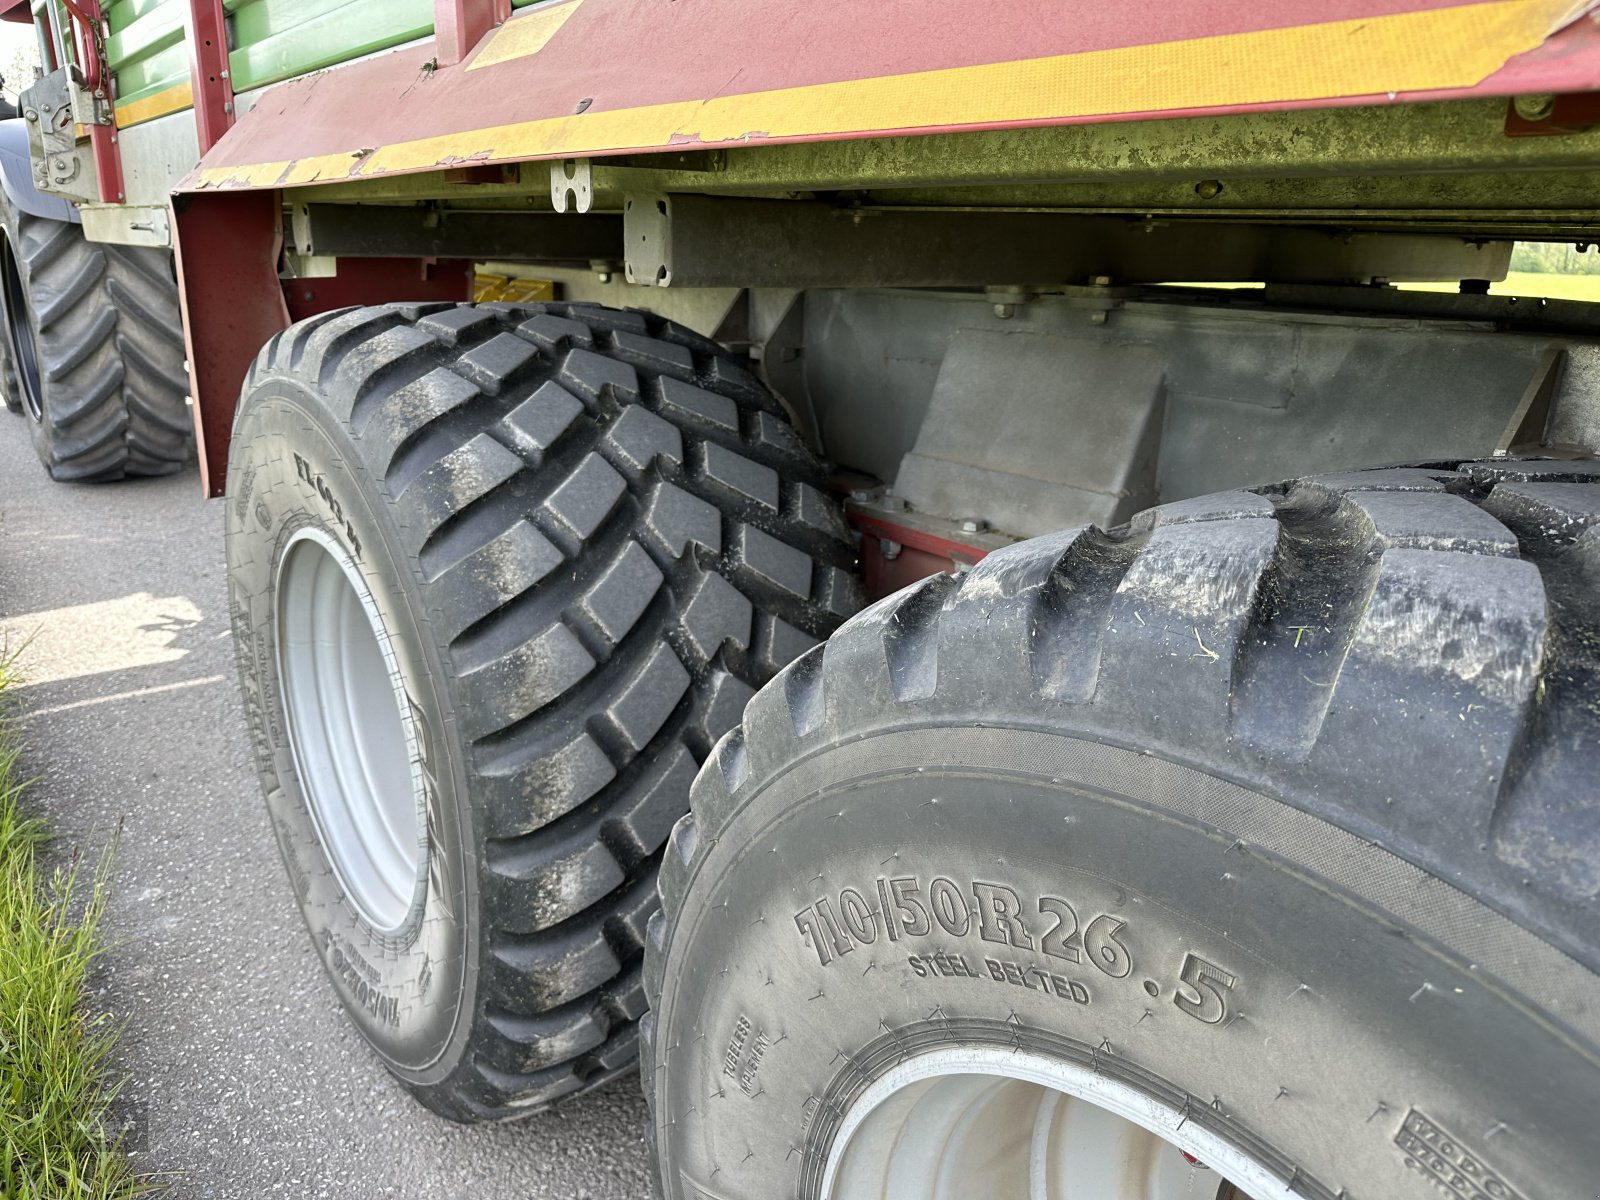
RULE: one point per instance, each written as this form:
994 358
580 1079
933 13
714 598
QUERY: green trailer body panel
270 40
279 39
145 50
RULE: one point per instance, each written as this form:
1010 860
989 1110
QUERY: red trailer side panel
565 79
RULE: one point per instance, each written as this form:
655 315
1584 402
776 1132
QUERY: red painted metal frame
459 25
228 246
379 281
921 554
921 539
107 162
884 576
227 249
19 11
207 37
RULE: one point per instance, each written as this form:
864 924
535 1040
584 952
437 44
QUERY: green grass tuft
54 1089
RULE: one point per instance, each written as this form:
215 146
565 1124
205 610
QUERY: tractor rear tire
10 385
1255 841
500 576
94 351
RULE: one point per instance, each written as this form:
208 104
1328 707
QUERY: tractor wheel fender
16 176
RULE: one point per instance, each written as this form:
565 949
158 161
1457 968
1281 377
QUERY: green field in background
1527 283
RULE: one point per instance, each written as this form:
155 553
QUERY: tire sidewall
41 431
410 993
1340 1034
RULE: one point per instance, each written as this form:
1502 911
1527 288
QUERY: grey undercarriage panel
1070 410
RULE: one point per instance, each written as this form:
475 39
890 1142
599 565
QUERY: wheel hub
354 742
1010 1125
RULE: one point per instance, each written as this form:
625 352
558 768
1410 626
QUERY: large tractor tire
10 384
93 351
500 577
1248 850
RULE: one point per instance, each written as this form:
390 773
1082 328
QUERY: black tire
10 385
1312 769
591 535
94 351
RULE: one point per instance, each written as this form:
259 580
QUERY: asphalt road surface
243 1077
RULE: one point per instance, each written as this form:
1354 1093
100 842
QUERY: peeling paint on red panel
811 63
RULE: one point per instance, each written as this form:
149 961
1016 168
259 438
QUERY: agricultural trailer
570 375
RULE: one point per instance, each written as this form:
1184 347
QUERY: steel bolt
1097 317
891 549
1005 311
973 525
1537 107
1101 281
1208 189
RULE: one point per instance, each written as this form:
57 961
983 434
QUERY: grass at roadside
54 1090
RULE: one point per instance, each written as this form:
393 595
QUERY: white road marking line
135 694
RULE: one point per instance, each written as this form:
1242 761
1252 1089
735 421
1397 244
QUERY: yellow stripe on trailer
148 108
524 36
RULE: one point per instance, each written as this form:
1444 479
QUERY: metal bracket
60 164
647 239
1525 432
571 182
127 224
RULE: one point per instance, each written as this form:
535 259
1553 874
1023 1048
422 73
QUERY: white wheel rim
350 729
1010 1125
